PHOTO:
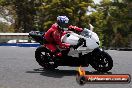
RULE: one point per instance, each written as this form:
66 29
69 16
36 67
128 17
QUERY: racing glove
74 46
80 42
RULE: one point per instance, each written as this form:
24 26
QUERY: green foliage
112 21
23 13
40 14
74 9
4 27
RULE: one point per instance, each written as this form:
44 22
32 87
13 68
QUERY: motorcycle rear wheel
43 58
102 62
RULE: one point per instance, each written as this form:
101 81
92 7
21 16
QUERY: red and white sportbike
87 51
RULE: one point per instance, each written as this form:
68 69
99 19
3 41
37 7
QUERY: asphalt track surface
18 69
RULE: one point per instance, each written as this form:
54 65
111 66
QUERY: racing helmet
63 22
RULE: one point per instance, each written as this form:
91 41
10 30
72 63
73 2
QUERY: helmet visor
64 25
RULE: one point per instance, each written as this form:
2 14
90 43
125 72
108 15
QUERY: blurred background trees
113 22
112 19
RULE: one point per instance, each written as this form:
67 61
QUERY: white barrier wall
5 37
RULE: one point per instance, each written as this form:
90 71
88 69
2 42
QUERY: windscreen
86 33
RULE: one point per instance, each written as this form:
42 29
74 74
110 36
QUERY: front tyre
102 62
43 58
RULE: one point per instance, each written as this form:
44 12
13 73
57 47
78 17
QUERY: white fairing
92 40
72 39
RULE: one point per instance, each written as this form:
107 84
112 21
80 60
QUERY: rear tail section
37 36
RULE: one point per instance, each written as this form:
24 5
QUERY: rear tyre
102 62
44 58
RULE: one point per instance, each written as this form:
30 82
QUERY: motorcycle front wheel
43 58
102 62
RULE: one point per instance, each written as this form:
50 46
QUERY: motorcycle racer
80 49
57 30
